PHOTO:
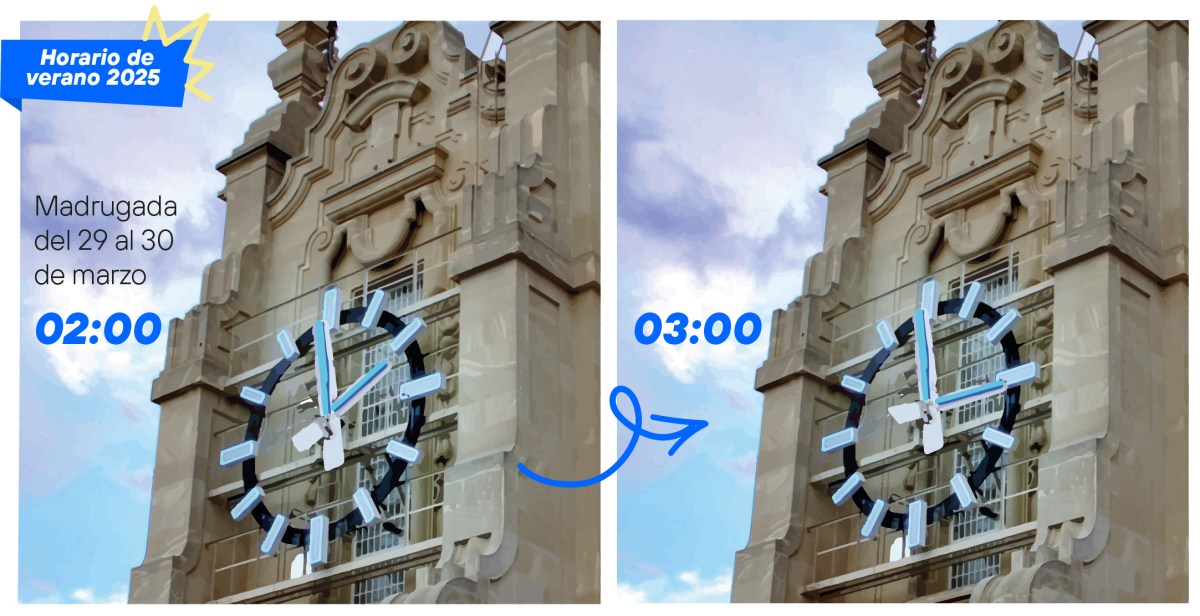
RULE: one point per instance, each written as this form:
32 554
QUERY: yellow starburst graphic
155 19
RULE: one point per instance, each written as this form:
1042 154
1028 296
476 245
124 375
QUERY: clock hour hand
932 438
355 392
970 394
1012 377
332 450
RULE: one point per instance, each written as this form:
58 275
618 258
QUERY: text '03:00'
677 328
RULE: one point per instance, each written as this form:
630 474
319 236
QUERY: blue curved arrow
689 428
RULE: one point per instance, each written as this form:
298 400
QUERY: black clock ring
396 466
991 461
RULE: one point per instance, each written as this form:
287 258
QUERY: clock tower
1049 186
405 181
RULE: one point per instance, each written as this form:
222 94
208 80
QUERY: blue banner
94 71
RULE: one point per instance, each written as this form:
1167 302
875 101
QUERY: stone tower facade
1061 186
468 191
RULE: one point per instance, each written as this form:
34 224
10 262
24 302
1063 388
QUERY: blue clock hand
329 425
355 392
970 394
932 437
326 379
924 352
927 361
1012 377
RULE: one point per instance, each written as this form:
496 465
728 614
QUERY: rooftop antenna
331 52
927 46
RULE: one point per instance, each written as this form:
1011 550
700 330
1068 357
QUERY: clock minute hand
326 379
326 389
932 368
932 436
932 432
923 347
925 315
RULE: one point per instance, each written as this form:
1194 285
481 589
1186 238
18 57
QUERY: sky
88 430
719 127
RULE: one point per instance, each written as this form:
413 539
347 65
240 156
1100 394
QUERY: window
380 410
376 538
377 589
972 522
979 361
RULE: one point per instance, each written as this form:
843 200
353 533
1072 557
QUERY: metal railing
837 547
237 565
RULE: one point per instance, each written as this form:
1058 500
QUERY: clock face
928 410
333 404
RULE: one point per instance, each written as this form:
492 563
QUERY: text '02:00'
115 329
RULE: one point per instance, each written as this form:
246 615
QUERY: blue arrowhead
689 429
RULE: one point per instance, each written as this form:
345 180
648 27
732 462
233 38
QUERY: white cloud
120 594
87 595
686 587
731 290
756 134
659 174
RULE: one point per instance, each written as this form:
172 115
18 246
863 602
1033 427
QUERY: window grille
971 522
979 361
377 589
380 410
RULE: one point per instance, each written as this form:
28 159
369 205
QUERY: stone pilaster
1112 514
527 270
